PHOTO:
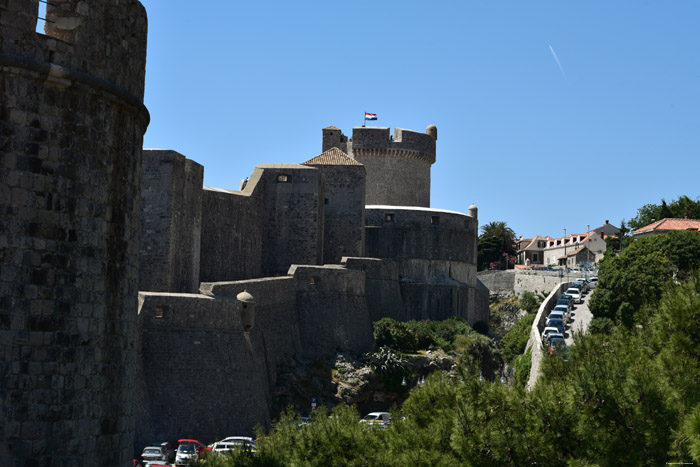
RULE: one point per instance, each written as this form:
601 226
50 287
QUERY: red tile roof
667 224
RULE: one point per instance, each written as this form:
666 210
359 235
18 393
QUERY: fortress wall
382 290
344 216
500 283
292 210
171 222
393 294
438 271
71 131
398 168
419 234
232 232
396 181
332 307
203 378
276 330
371 138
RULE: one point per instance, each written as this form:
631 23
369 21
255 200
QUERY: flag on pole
369 116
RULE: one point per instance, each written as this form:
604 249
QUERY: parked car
567 301
153 453
235 442
239 441
382 419
576 294
557 323
578 286
593 281
582 283
158 463
555 341
186 454
565 310
547 332
554 337
556 314
197 445
168 450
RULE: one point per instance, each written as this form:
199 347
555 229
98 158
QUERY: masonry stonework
233 283
171 222
398 166
71 129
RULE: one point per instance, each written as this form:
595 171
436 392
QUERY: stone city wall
292 217
344 211
276 329
392 293
232 232
404 233
332 310
71 131
171 222
203 377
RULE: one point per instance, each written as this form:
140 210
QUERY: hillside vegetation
625 395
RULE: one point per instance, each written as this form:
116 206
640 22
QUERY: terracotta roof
333 156
332 128
528 242
667 224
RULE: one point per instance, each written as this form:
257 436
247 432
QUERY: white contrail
554 54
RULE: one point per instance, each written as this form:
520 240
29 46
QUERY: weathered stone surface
71 130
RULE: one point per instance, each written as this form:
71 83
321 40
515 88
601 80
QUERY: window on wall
41 17
388 217
284 178
435 220
534 257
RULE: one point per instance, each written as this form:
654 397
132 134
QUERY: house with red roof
667 225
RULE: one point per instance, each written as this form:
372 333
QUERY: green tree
679 208
638 274
515 340
529 302
496 245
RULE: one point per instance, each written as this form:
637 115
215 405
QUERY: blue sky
235 84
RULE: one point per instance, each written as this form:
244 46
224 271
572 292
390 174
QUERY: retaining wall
535 341
516 281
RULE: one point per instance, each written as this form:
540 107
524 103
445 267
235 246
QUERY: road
581 318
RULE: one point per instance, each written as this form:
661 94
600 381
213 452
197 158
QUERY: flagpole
365 120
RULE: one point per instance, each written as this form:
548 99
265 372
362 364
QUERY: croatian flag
369 116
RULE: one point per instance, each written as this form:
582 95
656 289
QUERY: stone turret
72 120
398 166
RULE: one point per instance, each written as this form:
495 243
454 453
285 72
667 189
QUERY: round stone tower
398 167
71 131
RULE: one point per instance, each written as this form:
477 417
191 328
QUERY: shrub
529 302
515 340
601 326
522 364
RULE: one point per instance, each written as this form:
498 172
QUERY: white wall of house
596 244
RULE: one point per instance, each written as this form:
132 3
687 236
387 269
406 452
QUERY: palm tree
500 230
498 233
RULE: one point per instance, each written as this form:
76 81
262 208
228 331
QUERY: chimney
607 221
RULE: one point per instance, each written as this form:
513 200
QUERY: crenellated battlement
104 39
398 166
377 141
